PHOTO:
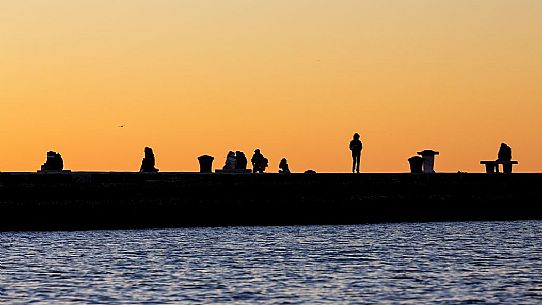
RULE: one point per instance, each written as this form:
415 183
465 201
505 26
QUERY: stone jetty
110 200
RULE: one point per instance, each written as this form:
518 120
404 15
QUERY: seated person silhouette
53 162
241 160
148 162
230 161
259 162
283 166
505 154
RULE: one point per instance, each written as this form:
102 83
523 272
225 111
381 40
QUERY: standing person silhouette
356 146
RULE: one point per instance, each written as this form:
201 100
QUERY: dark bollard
428 156
416 163
205 164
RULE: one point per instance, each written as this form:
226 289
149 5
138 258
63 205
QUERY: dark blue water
445 263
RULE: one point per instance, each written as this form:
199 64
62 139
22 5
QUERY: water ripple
445 263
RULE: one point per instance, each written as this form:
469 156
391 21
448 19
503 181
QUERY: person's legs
353 163
357 163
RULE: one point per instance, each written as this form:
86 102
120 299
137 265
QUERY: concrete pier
98 200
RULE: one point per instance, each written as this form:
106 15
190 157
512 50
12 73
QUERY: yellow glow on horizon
293 78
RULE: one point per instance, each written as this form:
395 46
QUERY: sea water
404 263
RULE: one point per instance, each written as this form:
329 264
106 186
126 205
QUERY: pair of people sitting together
235 160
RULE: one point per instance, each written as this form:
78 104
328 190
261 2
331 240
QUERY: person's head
356 136
231 154
256 151
148 150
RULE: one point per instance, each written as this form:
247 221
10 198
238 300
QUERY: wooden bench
493 165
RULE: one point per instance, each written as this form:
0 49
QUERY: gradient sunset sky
294 78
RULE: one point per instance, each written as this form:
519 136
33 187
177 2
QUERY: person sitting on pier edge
148 162
241 160
283 166
230 161
505 154
53 162
356 146
259 162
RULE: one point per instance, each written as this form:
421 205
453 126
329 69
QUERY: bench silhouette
493 165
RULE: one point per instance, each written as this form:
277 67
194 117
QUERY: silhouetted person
53 162
241 160
148 162
356 146
505 154
259 162
230 161
283 166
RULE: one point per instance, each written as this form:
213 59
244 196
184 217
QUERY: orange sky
295 78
